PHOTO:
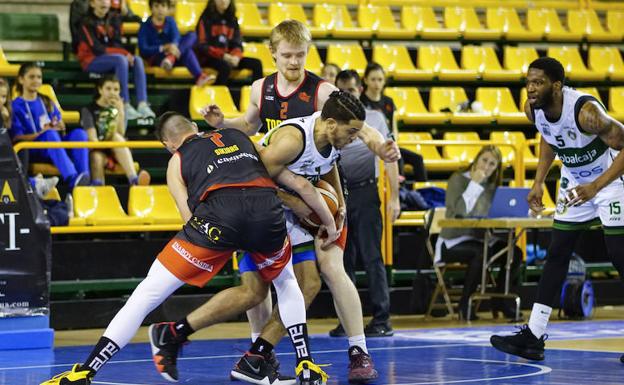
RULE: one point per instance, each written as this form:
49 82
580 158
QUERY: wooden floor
322 326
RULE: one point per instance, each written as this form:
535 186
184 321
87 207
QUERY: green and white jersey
584 156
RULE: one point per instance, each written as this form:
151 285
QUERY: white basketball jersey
310 163
584 156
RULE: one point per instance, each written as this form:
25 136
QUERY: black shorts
250 219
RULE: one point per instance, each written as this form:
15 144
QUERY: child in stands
100 51
104 120
160 43
220 44
36 118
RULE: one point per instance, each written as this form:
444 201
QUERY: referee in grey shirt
359 166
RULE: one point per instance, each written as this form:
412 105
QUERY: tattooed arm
594 120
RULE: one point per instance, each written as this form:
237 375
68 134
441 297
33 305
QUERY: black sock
299 338
103 351
182 330
261 347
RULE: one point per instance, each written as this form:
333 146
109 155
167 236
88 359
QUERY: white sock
539 319
254 337
360 341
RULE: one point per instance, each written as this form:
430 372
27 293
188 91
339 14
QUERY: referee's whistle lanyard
30 115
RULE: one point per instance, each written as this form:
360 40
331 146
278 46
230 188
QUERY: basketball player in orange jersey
307 146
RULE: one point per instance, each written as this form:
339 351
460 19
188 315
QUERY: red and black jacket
217 35
99 37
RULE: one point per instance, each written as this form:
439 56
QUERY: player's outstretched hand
212 115
578 195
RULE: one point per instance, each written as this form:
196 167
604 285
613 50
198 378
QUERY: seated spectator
99 50
469 194
220 45
160 43
5 105
36 118
373 98
104 120
329 72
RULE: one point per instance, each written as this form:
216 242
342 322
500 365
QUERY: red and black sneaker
165 348
361 366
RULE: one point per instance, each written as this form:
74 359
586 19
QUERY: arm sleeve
18 124
55 112
456 203
147 46
204 43
471 194
174 32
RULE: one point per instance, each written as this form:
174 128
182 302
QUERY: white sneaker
131 113
145 111
166 64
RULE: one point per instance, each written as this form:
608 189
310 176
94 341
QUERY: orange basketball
329 194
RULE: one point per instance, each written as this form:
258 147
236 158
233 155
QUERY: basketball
329 194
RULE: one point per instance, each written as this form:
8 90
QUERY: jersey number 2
284 110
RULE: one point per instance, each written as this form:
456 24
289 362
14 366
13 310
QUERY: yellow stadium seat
587 21
410 108
506 21
279 12
335 19
466 22
53 195
250 21
606 59
347 56
573 64
440 59
441 98
443 184
547 22
523 98
6 68
187 15
395 59
245 97
431 156
379 19
464 154
499 102
261 52
547 200
72 117
616 103
142 10
423 21
313 61
484 61
153 203
615 22
519 58
219 95
530 160
100 206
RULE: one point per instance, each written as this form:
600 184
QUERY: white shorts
606 209
298 235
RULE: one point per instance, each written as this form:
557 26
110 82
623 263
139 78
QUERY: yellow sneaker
310 374
71 377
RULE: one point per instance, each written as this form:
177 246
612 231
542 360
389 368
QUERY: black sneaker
310 374
338 331
165 348
378 330
256 369
523 344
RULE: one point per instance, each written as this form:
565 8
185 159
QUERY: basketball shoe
165 347
361 367
257 369
523 344
75 376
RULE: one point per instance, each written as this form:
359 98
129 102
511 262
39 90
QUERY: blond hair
292 31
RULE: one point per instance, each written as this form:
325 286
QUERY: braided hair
343 107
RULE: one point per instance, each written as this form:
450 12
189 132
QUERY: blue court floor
412 357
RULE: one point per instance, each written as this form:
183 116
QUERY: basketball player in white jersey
576 128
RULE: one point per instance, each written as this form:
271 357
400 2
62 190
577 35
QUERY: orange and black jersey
220 159
99 37
275 108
